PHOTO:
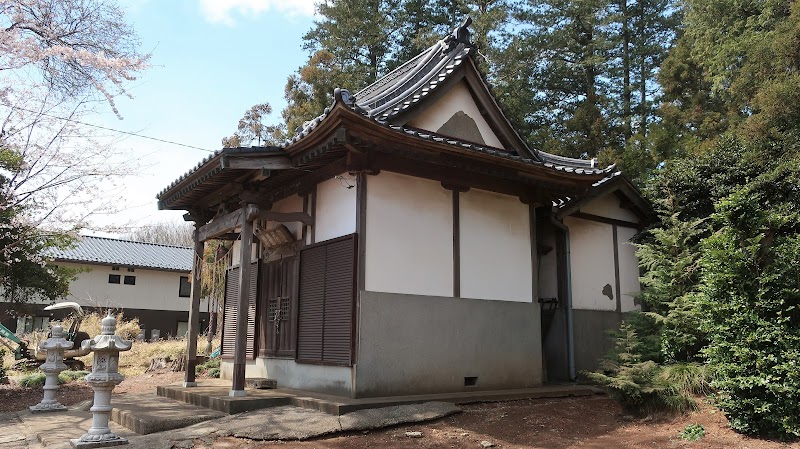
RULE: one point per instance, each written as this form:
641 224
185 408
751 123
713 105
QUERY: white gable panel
609 206
457 99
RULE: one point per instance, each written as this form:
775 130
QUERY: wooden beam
283 217
221 225
243 306
304 234
617 283
342 137
361 231
313 214
194 312
456 244
607 220
255 163
533 225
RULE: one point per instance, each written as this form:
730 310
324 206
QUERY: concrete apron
213 394
151 416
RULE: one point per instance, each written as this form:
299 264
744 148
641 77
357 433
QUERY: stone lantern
103 378
53 365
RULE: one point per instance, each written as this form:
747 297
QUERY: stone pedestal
103 378
53 365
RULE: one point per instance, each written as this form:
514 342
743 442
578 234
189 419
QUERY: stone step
148 413
218 400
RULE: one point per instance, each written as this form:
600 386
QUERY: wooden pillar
194 311
243 306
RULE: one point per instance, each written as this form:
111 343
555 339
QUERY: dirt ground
585 422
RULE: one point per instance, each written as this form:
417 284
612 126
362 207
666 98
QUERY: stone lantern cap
107 340
56 340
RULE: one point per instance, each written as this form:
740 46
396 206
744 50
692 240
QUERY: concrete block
261 383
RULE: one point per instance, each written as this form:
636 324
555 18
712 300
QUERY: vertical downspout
568 287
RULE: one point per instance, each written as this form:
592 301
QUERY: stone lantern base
112 440
46 408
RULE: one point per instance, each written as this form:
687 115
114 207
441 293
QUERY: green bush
752 296
640 386
213 372
3 374
37 379
692 432
68 376
32 380
209 365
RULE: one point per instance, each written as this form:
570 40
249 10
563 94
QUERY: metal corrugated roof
101 250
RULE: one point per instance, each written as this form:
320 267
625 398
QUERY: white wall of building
495 247
293 203
456 99
409 241
609 206
591 263
235 251
628 268
335 213
155 290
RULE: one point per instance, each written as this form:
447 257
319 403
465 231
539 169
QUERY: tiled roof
101 250
403 88
225 151
561 203
413 81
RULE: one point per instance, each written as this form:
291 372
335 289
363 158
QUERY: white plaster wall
236 251
336 209
592 264
495 247
290 374
154 290
628 268
609 206
548 265
409 241
456 99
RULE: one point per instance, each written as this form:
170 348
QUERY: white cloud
223 11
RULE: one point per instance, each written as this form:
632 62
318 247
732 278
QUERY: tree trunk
642 74
626 71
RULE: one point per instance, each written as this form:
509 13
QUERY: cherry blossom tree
70 46
60 60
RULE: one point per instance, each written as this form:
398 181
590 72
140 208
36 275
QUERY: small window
130 280
113 279
130 270
185 289
115 268
32 323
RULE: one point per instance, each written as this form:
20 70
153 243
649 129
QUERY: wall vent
470 381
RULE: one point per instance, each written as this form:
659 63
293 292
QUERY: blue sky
212 60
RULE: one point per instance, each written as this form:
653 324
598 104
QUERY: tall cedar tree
737 66
569 99
357 41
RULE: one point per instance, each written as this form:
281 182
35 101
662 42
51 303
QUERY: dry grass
128 329
133 362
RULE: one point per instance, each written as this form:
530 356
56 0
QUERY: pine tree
568 111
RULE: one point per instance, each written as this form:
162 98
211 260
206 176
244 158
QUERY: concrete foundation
335 380
409 344
591 336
